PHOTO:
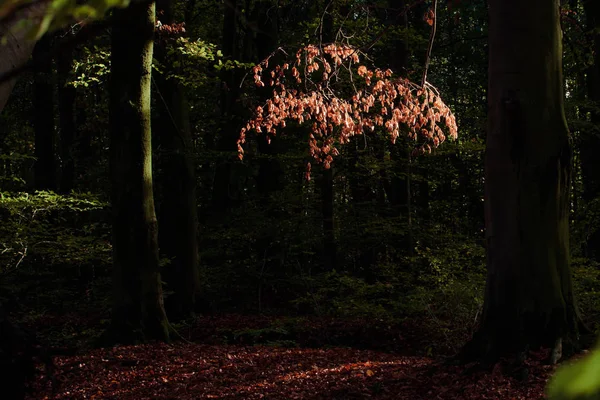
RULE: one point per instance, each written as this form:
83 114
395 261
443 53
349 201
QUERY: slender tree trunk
66 110
138 311
43 118
270 171
326 184
327 210
401 199
590 143
224 194
178 214
424 197
529 295
271 175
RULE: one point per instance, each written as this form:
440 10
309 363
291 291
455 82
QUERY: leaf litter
232 371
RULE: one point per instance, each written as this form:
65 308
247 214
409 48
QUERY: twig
279 49
23 254
431 38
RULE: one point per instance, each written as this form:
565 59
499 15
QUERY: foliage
396 105
185 56
586 276
50 227
577 380
91 68
12 163
59 13
408 228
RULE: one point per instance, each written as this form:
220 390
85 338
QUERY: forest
300 199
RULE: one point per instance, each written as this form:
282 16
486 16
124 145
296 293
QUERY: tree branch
431 38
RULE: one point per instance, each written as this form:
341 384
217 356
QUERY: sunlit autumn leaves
429 17
326 90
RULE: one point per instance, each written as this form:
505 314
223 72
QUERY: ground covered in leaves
192 371
250 370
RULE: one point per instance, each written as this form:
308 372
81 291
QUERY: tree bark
326 182
590 141
271 175
66 110
43 118
138 310
224 192
529 295
17 49
178 216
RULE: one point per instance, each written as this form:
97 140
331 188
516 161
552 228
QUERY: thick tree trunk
43 118
138 311
178 213
66 109
529 295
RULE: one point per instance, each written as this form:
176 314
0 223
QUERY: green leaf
581 378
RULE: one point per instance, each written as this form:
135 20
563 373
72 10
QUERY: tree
16 51
138 311
334 114
529 295
178 217
224 192
326 184
590 162
43 118
66 110
41 18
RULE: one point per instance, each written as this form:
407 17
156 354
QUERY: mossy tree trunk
178 215
138 311
529 295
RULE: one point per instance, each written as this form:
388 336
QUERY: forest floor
209 366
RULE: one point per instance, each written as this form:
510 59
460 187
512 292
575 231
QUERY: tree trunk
270 171
590 141
17 49
178 213
326 184
43 118
66 110
224 193
529 295
138 311
327 207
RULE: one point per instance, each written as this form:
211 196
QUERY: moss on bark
138 311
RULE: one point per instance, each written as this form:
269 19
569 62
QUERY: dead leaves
189 371
395 105
202 371
429 17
